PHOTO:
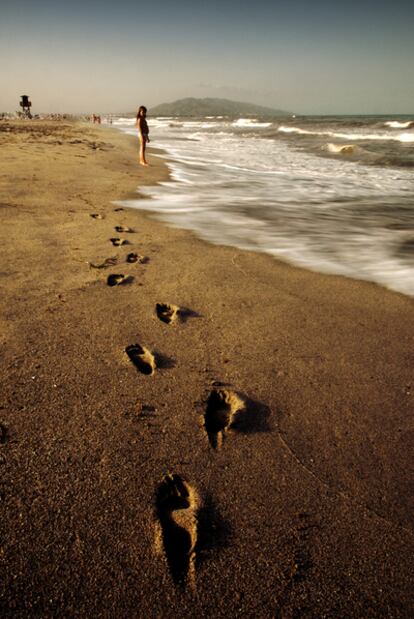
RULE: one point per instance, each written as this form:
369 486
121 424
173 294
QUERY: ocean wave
194 161
249 170
249 122
396 124
350 150
401 137
342 149
200 124
406 137
123 121
195 137
354 152
283 129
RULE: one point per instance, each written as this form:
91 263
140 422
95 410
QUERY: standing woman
143 133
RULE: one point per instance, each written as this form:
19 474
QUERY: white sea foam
284 129
342 149
194 136
198 124
401 137
251 123
241 122
123 121
396 124
406 137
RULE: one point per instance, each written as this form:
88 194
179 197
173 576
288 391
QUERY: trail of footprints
177 503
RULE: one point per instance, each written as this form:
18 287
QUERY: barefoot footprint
123 229
133 257
167 313
142 358
222 406
177 506
115 279
118 242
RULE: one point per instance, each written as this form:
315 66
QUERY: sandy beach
218 434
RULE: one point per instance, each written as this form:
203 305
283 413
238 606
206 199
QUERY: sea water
333 194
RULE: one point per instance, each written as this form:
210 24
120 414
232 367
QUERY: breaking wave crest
396 124
401 137
343 149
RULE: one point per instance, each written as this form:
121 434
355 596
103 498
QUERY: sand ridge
306 511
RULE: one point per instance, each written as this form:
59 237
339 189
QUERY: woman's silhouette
143 133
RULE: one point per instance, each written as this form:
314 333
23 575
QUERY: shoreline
306 507
387 270
154 216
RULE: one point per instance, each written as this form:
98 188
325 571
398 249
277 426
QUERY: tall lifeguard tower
25 104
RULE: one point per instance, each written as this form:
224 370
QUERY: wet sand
214 434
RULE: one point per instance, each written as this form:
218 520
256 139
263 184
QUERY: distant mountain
213 107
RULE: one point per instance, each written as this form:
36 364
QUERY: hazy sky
308 57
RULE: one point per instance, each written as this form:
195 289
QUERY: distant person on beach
143 133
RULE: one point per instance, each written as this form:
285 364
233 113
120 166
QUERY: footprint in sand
124 229
116 279
177 507
222 406
3 434
167 313
133 257
96 216
118 242
142 358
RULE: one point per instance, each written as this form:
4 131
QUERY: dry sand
251 458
